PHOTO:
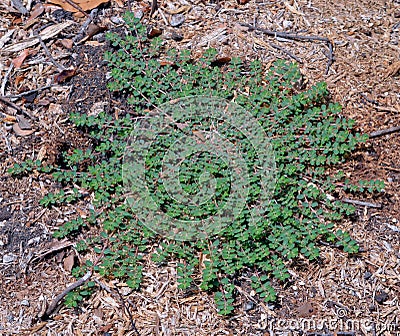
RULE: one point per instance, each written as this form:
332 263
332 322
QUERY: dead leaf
154 32
84 4
24 123
29 97
44 34
18 79
16 21
36 11
35 328
67 43
219 61
293 9
200 135
21 132
64 75
8 118
305 310
94 29
179 10
6 37
164 63
69 262
393 69
42 153
20 58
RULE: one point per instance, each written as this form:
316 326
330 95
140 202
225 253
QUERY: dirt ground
358 293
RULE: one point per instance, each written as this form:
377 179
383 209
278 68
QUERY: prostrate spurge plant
307 133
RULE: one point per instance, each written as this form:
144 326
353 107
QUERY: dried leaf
24 123
21 132
305 310
18 79
179 10
154 32
69 262
45 34
8 118
36 11
64 75
393 69
67 43
94 29
176 20
20 58
16 21
42 153
221 61
84 4
6 37
292 8
164 63
29 97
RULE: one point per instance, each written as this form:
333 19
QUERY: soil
357 294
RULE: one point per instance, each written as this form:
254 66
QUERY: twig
60 296
16 107
133 328
9 148
292 36
377 105
154 7
108 289
82 31
361 203
390 130
286 52
5 79
47 52
73 4
29 92
61 245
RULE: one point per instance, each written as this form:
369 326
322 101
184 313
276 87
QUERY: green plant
28 166
308 135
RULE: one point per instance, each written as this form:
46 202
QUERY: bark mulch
51 64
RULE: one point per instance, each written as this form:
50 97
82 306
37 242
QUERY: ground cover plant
308 136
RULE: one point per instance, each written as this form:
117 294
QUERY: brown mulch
364 78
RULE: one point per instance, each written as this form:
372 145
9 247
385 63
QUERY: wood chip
45 35
393 69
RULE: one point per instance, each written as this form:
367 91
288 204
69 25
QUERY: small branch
86 24
47 52
286 52
60 296
390 130
73 4
377 106
20 95
154 7
133 325
16 107
109 290
5 79
296 37
361 203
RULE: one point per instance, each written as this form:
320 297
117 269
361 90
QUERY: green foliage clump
307 133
